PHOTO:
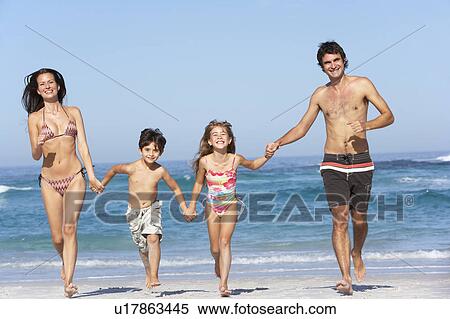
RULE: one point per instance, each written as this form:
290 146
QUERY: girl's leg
154 253
227 226
73 202
53 204
213 222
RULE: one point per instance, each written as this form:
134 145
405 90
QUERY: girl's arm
116 169
252 164
35 138
198 185
84 150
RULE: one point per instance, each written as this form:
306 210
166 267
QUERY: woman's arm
84 150
252 164
35 138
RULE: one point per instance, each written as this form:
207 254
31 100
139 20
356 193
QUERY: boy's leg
154 253
144 257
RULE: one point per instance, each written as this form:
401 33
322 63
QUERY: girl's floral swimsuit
221 189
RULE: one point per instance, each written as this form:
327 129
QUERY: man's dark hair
150 135
330 47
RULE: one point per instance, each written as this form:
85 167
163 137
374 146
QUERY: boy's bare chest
144 179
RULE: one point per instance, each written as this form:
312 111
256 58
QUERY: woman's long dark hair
205 148
31 100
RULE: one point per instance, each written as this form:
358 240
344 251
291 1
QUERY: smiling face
333 65
150 153
219 138
47 86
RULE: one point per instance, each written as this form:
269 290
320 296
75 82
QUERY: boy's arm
116 169
173 185
252 164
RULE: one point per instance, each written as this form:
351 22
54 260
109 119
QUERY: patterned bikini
59 185
221 189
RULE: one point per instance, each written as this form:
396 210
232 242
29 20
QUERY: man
346 168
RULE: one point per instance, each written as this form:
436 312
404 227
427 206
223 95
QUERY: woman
54 130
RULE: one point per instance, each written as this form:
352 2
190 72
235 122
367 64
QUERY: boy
143 213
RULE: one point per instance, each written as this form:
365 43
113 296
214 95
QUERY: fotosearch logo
251 207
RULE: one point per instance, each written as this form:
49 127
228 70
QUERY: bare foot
154 282
359 268
148 282
70 290
344 287
224 291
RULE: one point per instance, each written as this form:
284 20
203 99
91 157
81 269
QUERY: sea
284 227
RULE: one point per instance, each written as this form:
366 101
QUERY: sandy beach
386 286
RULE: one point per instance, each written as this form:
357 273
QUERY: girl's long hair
31 100
205 148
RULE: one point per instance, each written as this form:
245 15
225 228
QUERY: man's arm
300 129
384 119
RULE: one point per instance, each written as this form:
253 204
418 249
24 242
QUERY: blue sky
243 61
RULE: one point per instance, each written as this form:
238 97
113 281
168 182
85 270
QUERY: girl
217 161
54 132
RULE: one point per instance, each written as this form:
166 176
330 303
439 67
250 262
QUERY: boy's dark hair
150 135
330 47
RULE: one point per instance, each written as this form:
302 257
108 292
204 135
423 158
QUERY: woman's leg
213 222
53 204
73 202
227 226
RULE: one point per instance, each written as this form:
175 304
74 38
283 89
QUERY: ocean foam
4 188
432 182
445 158
251 260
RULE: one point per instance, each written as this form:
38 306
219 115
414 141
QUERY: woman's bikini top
71 129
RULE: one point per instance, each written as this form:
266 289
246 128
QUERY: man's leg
341 245
361 186
360 229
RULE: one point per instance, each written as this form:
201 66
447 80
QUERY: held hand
95 185
189 214
271 149
357 126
